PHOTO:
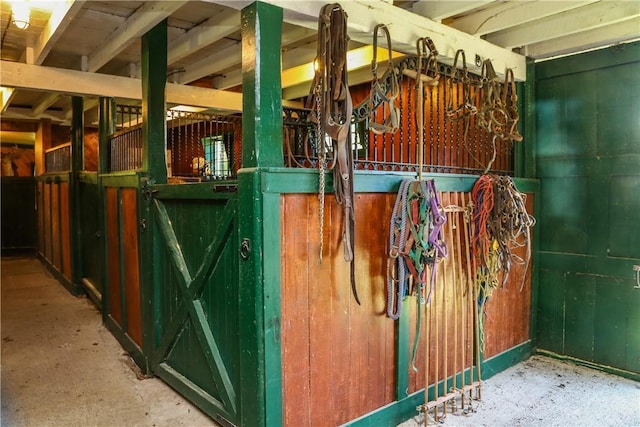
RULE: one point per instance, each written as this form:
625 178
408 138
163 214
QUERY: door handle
636 268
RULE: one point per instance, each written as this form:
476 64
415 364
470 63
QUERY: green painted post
262 88
77 164
106 126
260 360
525 153
154 166
154 125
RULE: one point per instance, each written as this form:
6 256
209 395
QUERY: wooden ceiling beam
439 10
58 22
72 82
604 36
231 56
585 18
201 36
405 28
509 14
139 23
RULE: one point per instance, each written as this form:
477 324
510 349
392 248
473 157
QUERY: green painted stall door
196 309
588 161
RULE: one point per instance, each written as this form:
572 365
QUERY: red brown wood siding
55 226
507 313
65 232
113 254
131 269
338 358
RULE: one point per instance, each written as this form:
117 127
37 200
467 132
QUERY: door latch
636 268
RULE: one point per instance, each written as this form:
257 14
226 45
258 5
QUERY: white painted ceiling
205 42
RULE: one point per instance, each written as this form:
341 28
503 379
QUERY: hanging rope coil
415 243
501 224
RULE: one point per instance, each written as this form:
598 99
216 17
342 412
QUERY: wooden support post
106 126
42 144
154 125
77 164
260 353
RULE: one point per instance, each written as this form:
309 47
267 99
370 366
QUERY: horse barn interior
303 213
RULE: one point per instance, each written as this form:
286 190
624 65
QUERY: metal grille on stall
58 159
202 146
454 139
125 147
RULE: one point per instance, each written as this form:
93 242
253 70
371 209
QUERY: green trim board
88 177
219 190
53 177
122 180
291 180
126 342
608 369
402 410
57 274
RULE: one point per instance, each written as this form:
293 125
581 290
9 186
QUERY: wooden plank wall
338 358
122 261
54 225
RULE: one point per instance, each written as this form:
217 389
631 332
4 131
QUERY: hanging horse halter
332 108
381 94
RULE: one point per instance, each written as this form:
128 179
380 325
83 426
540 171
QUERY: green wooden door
588 162
91 236
195 288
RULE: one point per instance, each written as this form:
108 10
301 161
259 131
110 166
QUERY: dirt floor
544 392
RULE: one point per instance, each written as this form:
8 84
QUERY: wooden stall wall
124 303
339 359
54 226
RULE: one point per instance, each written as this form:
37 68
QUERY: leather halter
332 108
383 95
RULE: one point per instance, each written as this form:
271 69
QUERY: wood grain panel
46 211
113 254
65 231
338 357
508 312
129 225
56 253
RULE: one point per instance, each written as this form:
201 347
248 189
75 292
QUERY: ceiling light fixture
20 12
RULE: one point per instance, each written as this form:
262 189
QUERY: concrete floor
61 367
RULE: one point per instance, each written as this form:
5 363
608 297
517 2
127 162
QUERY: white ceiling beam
231 56
44 103
72 82
291 58
139 23
87 104
213 64
439 10
562 24
21 113
405 28
212 30
509 14
62 16
604 36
